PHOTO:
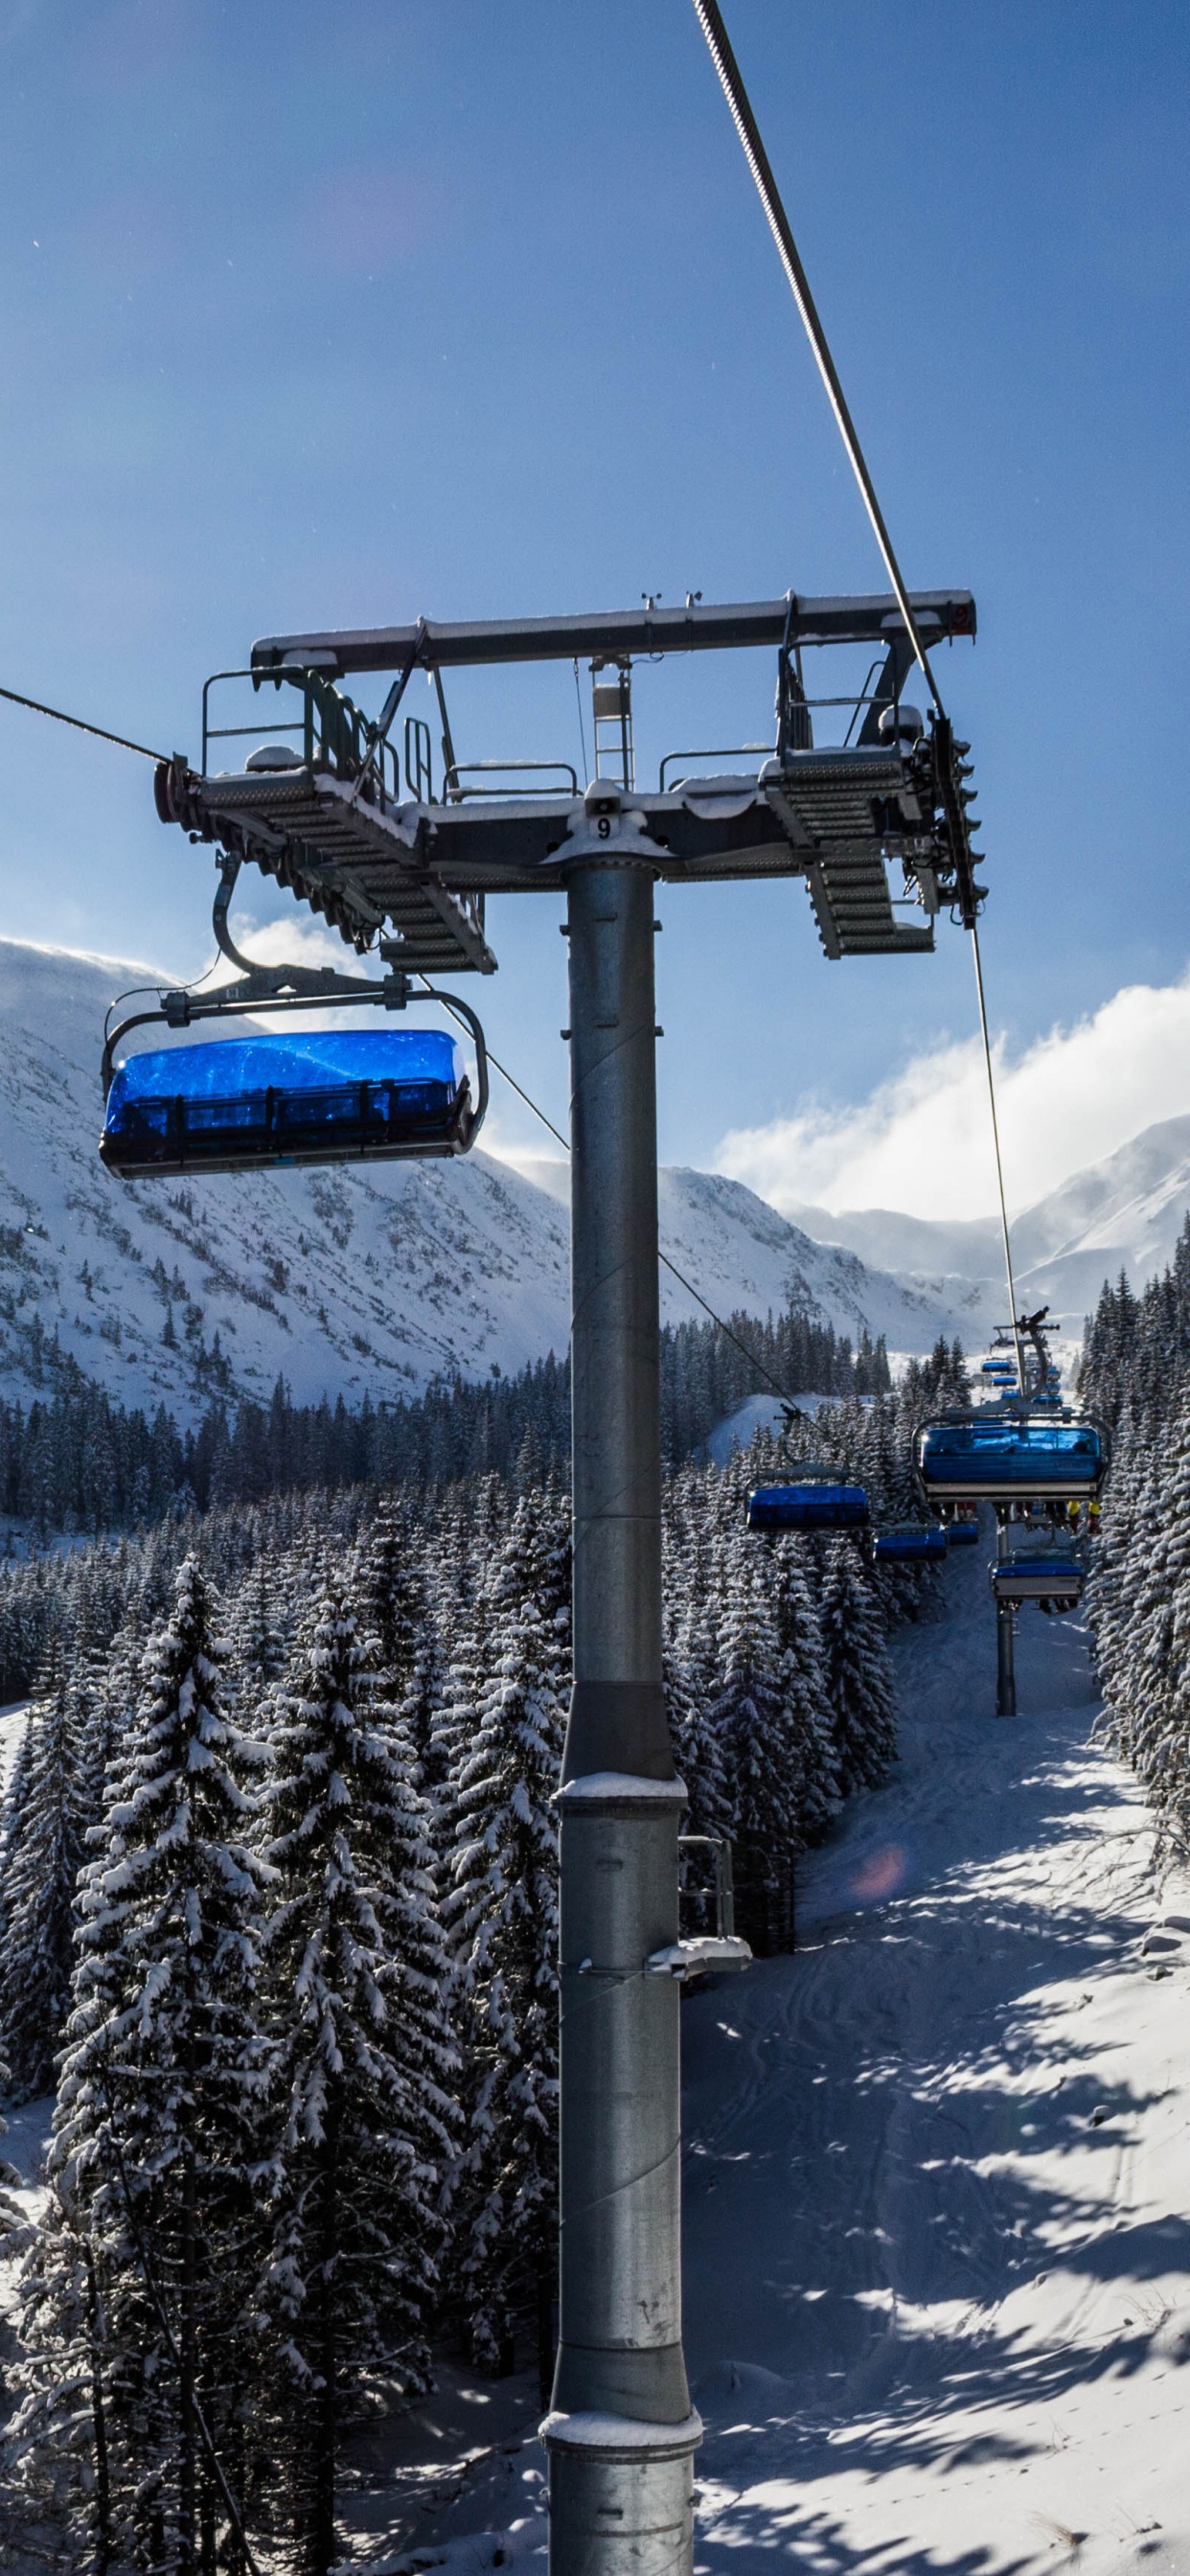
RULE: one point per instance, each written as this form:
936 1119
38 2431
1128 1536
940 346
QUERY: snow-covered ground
937 2250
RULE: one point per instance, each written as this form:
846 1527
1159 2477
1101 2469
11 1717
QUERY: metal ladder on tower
611 706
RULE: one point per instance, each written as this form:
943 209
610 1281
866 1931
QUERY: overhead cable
81 726
710 19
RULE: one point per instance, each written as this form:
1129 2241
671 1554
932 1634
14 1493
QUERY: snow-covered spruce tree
388 1595
464 1561
397 1630
690 1656
856 1669
503 1912
44 1851
255 1632
796 1569
12 1810
360 2115
1150 1710
155 2130
750 1715
1107 1582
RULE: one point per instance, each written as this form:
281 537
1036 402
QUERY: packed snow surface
937 2259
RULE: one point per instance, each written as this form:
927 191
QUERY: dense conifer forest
278 1928
1136 1379
74 1460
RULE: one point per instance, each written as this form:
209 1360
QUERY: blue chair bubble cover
323 1096
1010 1455
816 1504
1036 1578
909 1546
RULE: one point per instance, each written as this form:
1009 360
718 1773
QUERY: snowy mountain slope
1125 1212
348 1281
930 1246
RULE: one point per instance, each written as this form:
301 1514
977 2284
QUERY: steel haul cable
38 708
710 19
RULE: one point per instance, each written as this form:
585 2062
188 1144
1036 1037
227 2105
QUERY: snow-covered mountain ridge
347 1281
1123 1213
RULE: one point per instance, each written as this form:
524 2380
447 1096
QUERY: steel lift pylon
322 808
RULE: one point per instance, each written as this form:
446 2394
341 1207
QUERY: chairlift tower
325 813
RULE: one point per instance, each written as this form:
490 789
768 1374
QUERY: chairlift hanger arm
941 614
322 987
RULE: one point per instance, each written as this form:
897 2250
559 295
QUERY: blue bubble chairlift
340 1095
1055 1583
813 1500
912 1544
297 1096
1003 1455
962 1531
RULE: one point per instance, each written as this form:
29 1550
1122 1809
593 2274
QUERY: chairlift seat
1056 1580
962 1534
1001 1455
330 1096
817 1503
909 1545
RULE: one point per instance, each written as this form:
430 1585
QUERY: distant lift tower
327 817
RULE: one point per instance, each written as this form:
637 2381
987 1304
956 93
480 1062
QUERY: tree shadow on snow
907 2134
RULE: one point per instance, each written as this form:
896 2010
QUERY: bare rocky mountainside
347 1282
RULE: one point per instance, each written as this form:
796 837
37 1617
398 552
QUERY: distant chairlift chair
1055 1583
815 1501
914 1543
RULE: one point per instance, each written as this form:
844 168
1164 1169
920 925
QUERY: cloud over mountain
921 1142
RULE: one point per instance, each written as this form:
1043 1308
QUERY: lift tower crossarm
941 614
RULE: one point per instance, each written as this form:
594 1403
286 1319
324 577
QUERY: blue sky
332 317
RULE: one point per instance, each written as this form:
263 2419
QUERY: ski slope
937 2256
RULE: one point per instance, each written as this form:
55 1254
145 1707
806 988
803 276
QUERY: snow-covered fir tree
856 1670
503 1915
43 1853
150 2223
689 1668
361 2064
752 1719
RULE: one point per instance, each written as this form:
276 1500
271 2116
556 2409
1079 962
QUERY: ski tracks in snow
937 2267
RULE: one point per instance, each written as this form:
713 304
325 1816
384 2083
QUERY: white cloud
296 939
922 1142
